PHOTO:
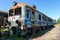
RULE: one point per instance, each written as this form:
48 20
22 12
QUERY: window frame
39 16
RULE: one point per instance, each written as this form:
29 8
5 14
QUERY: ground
53 34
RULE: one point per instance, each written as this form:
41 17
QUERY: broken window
27 14
49 19
10 12
44 18
18 11
39 17
33 14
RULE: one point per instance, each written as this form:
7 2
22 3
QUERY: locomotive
27 18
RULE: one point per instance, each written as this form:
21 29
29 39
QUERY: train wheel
23 33
44 28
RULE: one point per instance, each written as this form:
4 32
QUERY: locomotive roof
21 5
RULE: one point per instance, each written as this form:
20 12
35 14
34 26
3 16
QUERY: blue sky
49 7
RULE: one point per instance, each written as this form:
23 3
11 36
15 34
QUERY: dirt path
50 35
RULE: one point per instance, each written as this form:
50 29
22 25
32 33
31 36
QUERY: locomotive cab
14 14
17 17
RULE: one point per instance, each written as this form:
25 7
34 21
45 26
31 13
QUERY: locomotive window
44 18
33 15
49 19
39 17
10 12
32 12
18 11
27 14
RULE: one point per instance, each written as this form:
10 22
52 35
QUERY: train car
27 18
3 15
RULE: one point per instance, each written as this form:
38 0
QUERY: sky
50 8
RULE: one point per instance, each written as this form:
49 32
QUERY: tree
58 20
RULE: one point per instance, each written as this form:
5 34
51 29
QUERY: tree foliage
58 20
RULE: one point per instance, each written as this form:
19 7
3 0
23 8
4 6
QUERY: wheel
44 28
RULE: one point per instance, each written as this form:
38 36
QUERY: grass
4 29
14 37
0 30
